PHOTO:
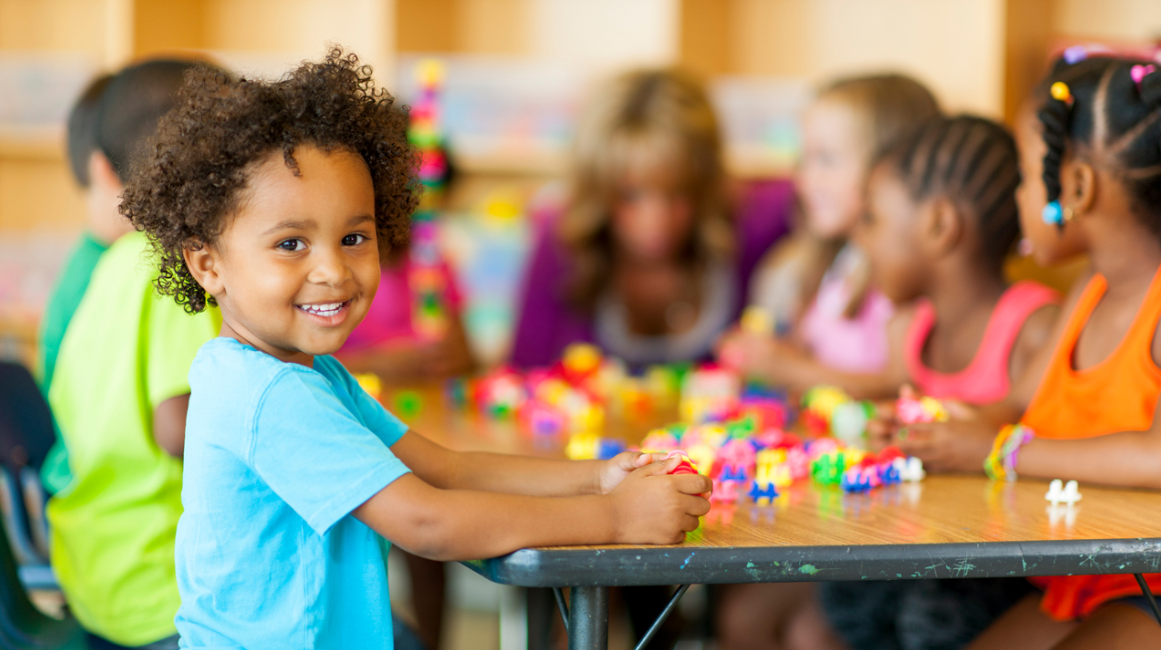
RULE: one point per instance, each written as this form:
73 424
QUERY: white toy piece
1058 492
910 470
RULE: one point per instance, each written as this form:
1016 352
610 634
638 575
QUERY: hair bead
1052 214
1060 92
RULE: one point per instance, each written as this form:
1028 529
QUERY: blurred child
941 219
118 392
102 224
273 201
831 327
1091 170
648 259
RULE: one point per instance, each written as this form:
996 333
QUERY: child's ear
943 226
204 265
1077 186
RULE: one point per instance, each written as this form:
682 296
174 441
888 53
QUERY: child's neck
242 335
1128 258
963 300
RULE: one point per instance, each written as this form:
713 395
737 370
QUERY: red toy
683 467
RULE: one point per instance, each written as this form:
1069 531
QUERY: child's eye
293 245
354 239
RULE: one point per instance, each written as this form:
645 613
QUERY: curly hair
192 176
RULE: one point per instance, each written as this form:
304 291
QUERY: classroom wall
1128 20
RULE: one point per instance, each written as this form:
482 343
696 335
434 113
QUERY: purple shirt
547 323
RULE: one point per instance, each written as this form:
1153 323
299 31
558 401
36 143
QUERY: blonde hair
886 108
643 119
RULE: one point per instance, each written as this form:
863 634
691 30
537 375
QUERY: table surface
943 527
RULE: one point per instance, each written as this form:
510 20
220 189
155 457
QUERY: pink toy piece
798 462
912 411
738 454
724 492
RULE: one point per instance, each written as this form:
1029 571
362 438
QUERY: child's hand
652 507
954 446
617 468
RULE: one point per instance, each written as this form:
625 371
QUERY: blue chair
22 625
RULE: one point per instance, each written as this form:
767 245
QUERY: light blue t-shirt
277 455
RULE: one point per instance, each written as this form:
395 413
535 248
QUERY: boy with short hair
119 391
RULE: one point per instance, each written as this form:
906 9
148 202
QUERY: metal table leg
588 618
1148 593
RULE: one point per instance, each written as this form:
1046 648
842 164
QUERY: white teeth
322 309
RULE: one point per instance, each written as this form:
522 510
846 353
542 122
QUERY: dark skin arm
169 425
1125 459
458 520
780 363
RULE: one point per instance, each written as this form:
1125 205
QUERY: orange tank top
1118 394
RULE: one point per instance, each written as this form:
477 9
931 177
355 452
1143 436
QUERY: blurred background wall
516 71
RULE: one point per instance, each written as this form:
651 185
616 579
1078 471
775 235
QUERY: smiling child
273 201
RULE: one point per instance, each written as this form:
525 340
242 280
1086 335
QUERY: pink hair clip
1139 72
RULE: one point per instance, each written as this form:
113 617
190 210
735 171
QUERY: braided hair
1099 112
972 162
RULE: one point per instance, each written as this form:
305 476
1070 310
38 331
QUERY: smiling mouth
324 309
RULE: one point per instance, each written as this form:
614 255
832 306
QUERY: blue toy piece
733 473
855 480
889 474
767 491
609 447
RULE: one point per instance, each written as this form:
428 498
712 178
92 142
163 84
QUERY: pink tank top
856 344
985 380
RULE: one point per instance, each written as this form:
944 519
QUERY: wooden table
943 527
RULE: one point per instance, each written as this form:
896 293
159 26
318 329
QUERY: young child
648 258
118 393
1091 170
273 201
832 328
941 218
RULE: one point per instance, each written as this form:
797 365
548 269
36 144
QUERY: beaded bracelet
1001 463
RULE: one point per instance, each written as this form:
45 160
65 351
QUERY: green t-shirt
62 304
126 351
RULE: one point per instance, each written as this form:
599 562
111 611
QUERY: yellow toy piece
702 457
756 320
582 446
370 382
581 358
935 408
823 400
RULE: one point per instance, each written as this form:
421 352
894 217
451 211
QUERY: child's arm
446 469
649 507
169 425
772 360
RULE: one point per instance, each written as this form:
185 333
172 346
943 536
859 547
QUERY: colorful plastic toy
684 466
848 422
370 383
911 410
408 403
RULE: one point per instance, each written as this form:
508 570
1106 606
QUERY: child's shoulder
225 365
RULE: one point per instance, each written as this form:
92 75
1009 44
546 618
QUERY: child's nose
330 268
